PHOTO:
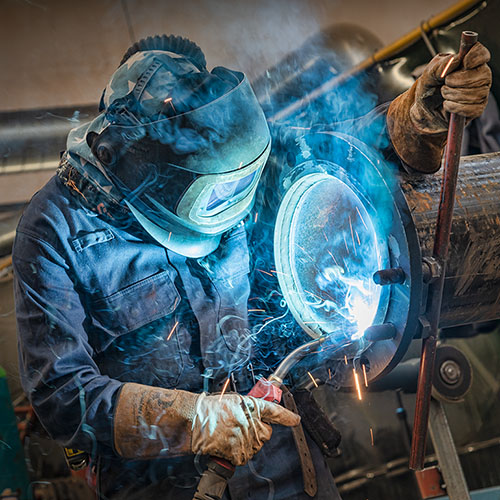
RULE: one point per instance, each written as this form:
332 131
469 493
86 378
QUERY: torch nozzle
294 357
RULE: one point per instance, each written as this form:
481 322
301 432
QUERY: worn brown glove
418 119
150 422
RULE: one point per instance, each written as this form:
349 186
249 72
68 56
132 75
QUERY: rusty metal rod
440 253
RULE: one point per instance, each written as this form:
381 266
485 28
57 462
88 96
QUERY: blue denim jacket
99 303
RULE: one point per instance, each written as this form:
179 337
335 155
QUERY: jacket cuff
150 422
420 149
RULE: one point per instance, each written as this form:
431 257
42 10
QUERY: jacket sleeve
72 399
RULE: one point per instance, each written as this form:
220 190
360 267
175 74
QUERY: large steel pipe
472 284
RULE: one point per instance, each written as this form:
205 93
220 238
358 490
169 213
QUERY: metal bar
18 167
449 463
440 253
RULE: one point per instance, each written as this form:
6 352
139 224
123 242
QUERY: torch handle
219 471
440 253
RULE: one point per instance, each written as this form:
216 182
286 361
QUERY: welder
132 264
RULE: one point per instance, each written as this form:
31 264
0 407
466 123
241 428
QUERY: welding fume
143 270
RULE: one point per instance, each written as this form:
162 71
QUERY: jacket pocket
136 305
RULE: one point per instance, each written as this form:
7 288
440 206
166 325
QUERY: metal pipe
440 253
31 140
380 55
472 284
389 276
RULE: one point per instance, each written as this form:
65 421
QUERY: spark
320 298
446 68
345 265
256 310
329 373
356 381
357 237
361 217
172 331
226 383
345 241
305 251
101 208
279 272
345 359
352 233
265 272
364 375
312 378
324 234
256 217
168 100
334 260
371 434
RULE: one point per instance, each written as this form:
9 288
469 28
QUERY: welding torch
440 255
214 480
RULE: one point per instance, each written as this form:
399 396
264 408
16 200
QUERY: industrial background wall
59 53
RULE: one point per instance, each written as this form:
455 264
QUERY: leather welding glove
417 120
150 422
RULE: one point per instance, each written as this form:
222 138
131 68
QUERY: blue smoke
339 289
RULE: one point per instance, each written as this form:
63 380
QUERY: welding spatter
214 480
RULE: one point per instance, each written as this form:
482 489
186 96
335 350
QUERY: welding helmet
185 147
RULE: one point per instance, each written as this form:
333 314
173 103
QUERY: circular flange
334 177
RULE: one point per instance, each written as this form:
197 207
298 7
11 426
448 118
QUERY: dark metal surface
452 376
376 333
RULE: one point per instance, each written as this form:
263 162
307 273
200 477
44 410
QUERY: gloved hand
464 91
236 427
150 422
417 120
